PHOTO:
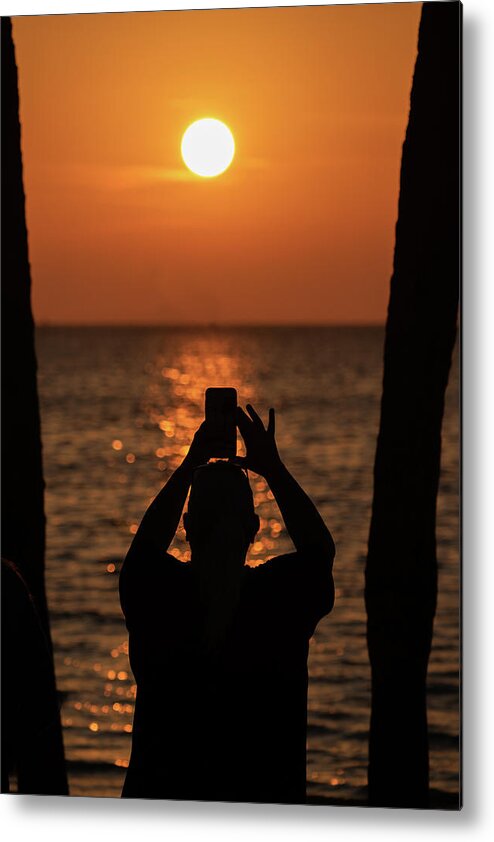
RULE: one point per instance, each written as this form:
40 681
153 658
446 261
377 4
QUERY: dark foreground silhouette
401 572
218 649
30 711
22 516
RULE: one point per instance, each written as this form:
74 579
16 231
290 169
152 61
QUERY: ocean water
119 407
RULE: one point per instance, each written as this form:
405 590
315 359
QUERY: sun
208 147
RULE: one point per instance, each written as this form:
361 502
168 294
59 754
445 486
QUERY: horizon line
208 325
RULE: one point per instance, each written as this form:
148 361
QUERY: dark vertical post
401 572
23 519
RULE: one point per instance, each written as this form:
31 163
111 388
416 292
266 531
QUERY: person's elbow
329 595
326 555
322 547
327 552
330 549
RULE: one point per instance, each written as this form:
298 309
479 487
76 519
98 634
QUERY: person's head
220 514
220 523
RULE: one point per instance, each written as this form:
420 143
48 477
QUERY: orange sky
300 229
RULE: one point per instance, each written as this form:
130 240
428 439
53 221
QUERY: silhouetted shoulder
146 574
301 583
313 565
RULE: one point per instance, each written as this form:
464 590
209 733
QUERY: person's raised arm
160 522
303 522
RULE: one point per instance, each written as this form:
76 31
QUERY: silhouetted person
218 649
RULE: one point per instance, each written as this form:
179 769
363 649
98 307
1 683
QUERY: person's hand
200 451
262 455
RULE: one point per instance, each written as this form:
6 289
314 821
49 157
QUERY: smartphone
220 414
